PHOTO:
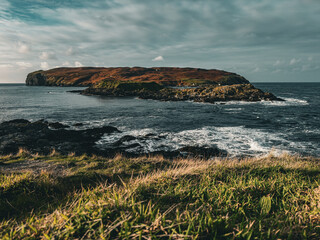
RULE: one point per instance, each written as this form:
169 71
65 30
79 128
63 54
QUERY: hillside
68 197
194 84
88 76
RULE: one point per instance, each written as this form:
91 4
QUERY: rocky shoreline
44 137
209 94
165 83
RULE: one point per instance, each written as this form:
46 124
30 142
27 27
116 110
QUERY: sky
262 40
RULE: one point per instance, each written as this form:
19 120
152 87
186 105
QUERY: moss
155 198
232 79
128 86
196 82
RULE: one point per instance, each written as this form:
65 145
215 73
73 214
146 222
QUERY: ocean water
241 128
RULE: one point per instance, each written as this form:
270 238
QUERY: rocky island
159 83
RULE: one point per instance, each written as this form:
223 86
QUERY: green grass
128 86
195 82
152 198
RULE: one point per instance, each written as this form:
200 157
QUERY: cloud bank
264 40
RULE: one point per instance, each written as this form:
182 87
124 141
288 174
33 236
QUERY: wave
296 101
237 141
287 102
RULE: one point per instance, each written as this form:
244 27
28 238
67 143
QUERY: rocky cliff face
88 76
165 83
208 93
36 79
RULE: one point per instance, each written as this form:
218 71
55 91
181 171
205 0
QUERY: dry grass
152 198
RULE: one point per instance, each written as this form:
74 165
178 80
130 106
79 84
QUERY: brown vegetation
87 76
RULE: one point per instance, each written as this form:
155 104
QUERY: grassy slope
150 198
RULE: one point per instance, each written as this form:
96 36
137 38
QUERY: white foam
233 110
236 141
296 101
287 102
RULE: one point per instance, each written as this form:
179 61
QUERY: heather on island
162 83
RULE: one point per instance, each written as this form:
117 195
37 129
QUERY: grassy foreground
149 198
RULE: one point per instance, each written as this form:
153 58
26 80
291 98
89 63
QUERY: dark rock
38 137
16 122
75 91
166 154
133 145
77 124
203 151
57 125
150 135
212 94
126 138
37 78
100 130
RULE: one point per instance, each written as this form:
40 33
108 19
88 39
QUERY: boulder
205 152
38 137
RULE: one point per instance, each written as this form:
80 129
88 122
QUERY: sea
240 128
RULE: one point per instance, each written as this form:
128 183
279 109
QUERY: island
159 83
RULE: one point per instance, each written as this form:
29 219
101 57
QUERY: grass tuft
54 153
153 198
23 153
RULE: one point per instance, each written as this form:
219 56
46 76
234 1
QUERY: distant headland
160 83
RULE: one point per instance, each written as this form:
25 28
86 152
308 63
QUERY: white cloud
47 55
5 66
277 63
294 61
4 5
158 59
24 65
66 64
78 64
310 58
70 51
276 71
305 68
23 48
44 65
257 69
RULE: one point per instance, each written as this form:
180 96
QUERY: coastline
43 137
162 83
64 194
240 128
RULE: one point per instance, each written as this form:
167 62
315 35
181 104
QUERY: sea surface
241 128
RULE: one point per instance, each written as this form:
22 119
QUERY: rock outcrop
162 83
43 137
210 93
40 137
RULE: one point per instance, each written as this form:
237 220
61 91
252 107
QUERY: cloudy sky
263 40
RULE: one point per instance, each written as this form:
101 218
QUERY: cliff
89 76
207 93
165 83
